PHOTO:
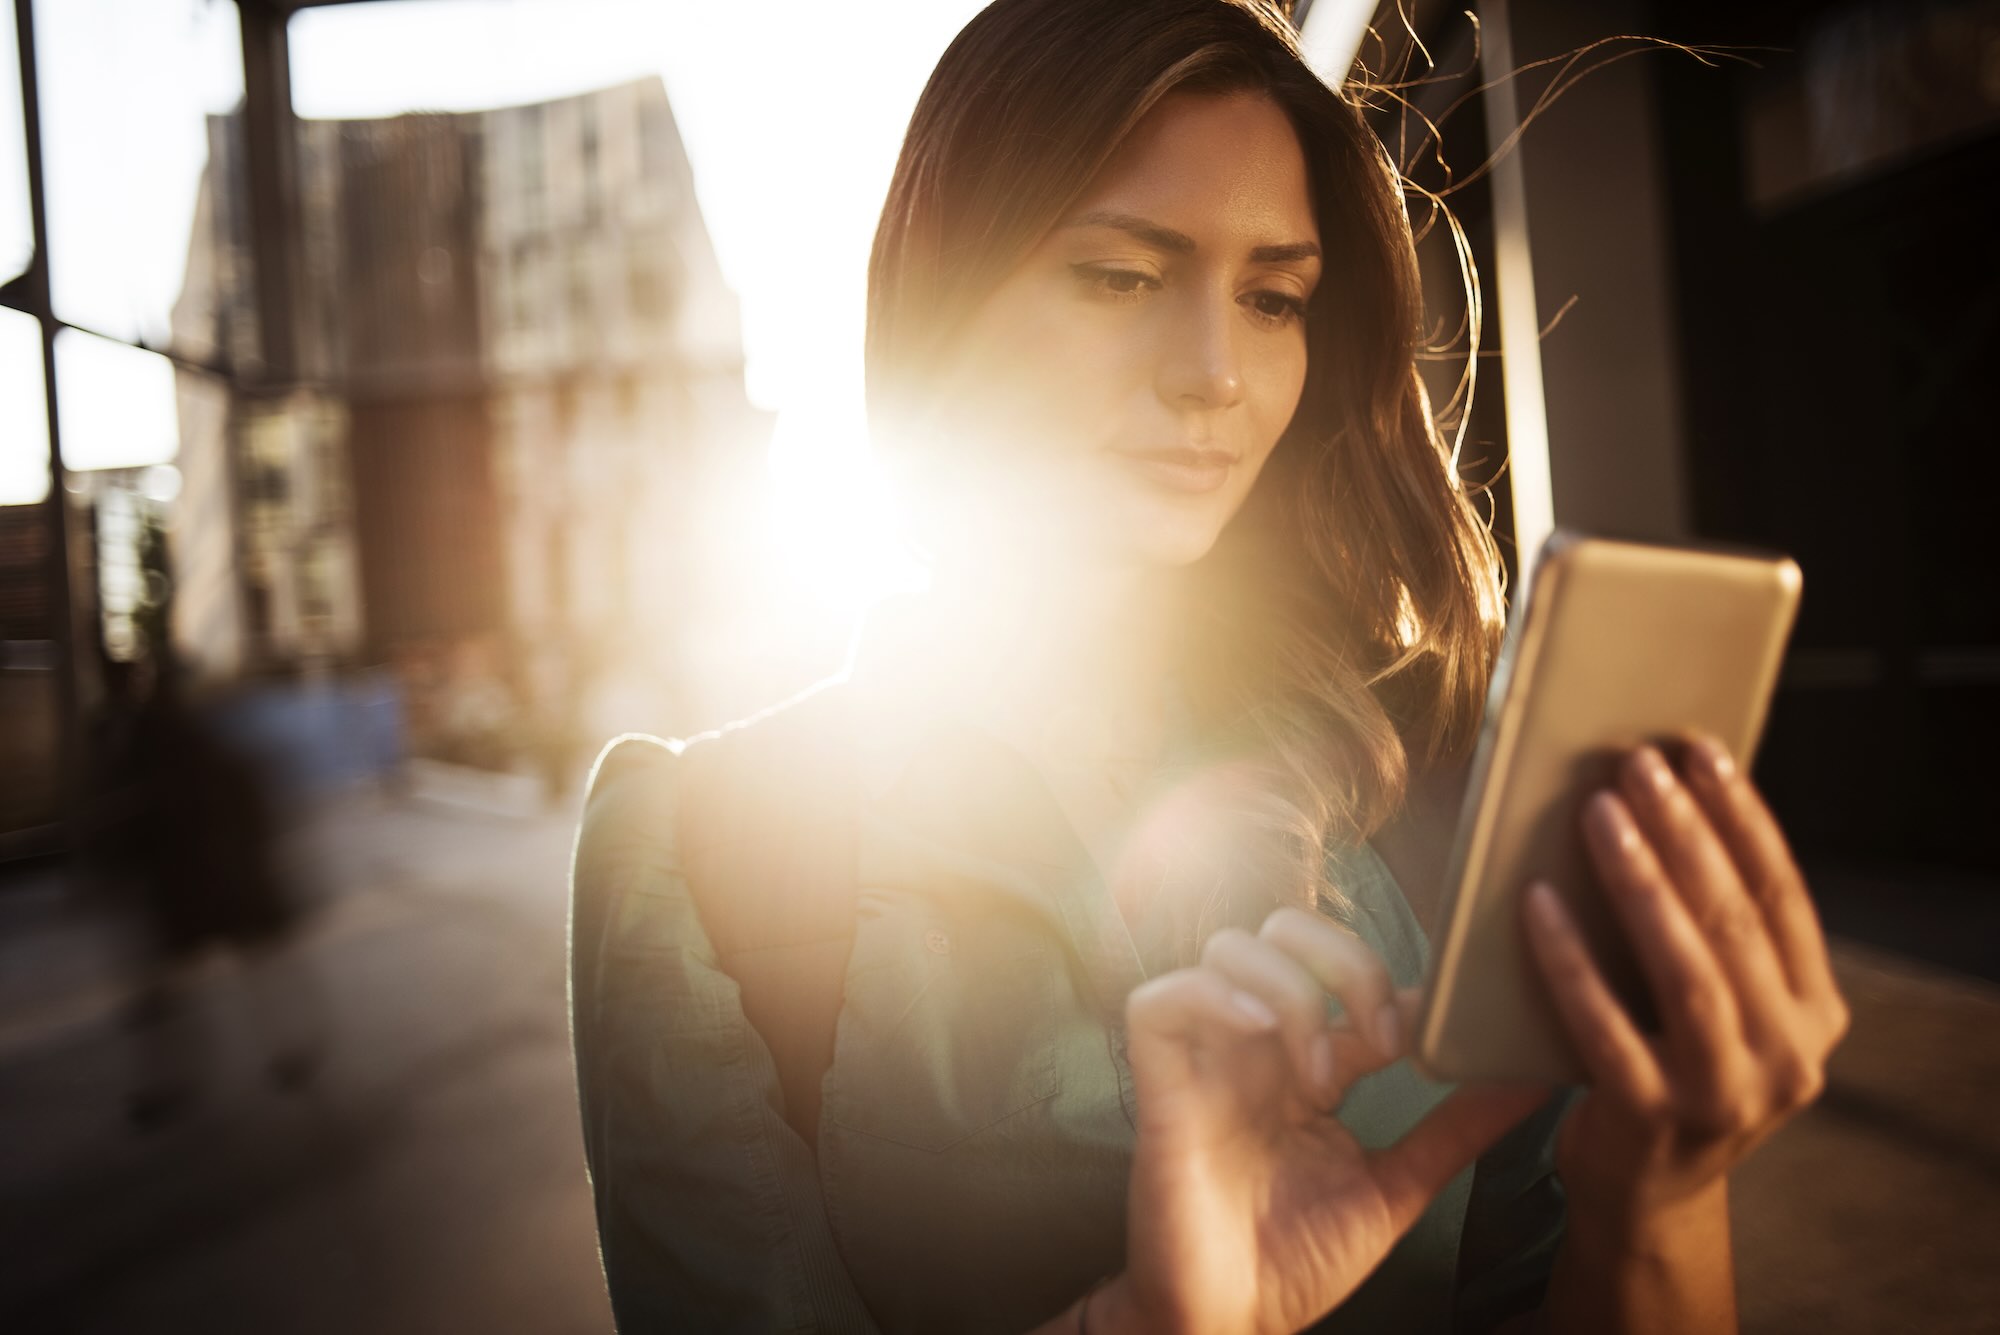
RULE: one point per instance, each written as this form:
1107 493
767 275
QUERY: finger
1255 966
1409 1007
1706 877
1173 1020
1616 1054
1696 1002
1416 1168
1765 862
1347 968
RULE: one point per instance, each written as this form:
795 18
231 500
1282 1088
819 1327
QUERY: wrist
1111 1309
1642 1228
1663 1266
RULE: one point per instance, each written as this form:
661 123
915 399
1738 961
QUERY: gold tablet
1616 643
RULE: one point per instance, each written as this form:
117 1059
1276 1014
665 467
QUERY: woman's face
1122 388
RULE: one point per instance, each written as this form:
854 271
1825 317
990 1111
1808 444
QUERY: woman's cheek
1277 387
1079 378
1287 369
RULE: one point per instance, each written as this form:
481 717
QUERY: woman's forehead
1218 168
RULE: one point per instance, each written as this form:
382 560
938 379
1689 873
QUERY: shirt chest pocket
946 1030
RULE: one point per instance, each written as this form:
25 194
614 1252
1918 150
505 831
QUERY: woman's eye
1105 280
1277 307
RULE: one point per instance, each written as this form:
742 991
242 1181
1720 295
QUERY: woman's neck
1071 671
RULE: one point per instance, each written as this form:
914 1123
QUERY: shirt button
937 942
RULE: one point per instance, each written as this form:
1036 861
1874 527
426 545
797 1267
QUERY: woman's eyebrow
1180 243
1152 233
1297 250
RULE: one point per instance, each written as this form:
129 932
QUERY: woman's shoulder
640 780
724 819
632 796
628 759
625 882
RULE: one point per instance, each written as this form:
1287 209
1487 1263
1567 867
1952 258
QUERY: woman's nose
1199 367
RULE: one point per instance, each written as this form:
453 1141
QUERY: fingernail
1256 1010
1715 758
1612 819
1653 768
1322 1061
1388 1030
1542 903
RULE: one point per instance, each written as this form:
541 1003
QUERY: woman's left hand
1719 918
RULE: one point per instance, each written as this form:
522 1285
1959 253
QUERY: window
135 96
17 233
24 419
118 404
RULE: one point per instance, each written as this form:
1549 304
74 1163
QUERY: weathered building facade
518 367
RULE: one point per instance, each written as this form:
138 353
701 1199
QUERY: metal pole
1330 34
1514 282
35 285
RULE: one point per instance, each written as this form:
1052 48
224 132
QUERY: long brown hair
1349 615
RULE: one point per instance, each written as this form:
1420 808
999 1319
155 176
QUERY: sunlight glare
792 113
833 524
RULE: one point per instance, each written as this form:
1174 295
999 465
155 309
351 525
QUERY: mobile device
1615 643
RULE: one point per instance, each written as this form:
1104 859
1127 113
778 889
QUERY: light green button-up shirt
976 1130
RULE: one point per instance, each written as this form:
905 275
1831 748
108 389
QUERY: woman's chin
1109 534
1152 527
1157 541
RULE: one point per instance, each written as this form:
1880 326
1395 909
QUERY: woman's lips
1184 470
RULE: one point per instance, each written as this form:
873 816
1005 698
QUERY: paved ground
1880 1210
431 1178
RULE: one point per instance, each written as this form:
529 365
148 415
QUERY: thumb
1416 1168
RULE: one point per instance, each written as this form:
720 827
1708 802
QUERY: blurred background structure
424 390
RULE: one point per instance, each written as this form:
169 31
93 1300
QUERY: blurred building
29 730
609 333
518 366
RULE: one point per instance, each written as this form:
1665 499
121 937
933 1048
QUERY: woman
1143 313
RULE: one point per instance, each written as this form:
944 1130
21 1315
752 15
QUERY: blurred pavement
1879 1210
431 1178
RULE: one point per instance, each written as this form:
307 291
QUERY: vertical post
271 154
35 284
1514 281
1330 34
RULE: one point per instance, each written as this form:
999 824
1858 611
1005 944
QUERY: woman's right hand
1252 1209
